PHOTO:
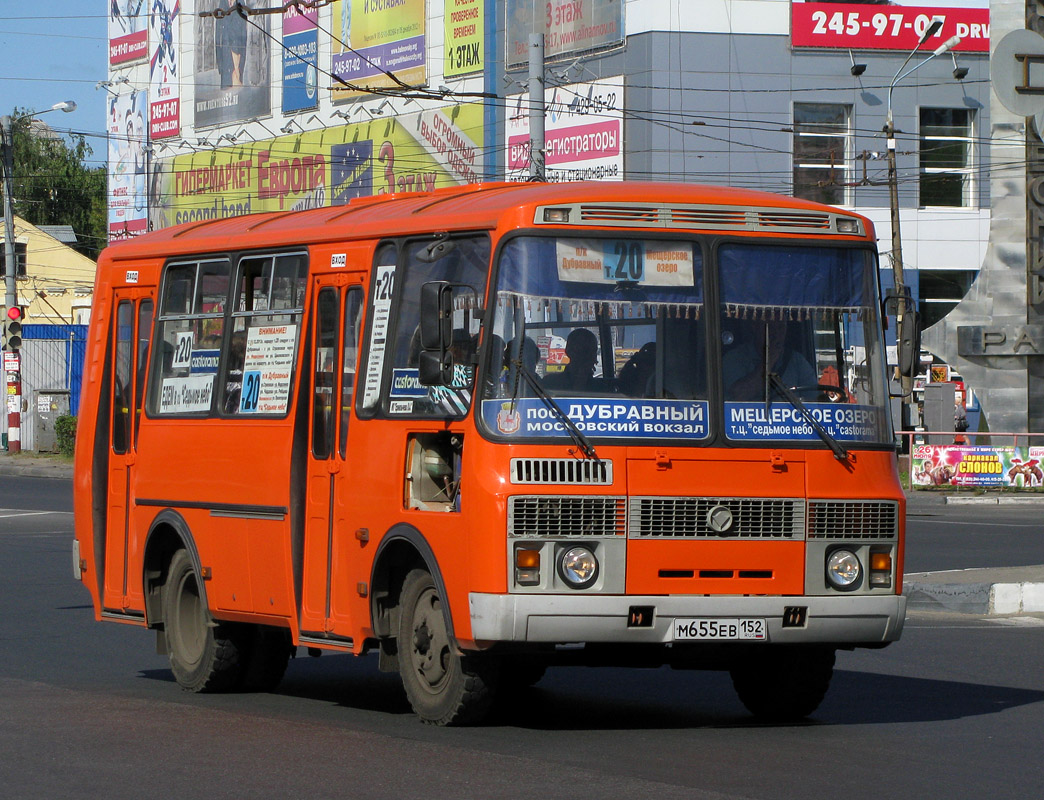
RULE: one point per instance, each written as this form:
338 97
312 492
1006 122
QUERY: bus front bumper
840 620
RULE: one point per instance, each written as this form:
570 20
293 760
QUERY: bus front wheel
444 687
204 656
784 684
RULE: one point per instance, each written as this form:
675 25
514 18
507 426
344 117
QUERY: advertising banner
164 45
583 132
128 38
233 80
300 51
464 37
375 37
977 466
569 26
897 26
416 152
128 199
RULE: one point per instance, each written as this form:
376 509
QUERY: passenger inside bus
578 376
635 375
747 353
529 355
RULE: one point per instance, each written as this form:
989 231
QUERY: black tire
204 656
443 686
268 653
784 684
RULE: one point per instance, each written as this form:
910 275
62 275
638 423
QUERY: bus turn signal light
880 569
527 566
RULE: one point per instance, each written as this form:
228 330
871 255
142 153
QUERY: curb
1001 500
36 470
1008 590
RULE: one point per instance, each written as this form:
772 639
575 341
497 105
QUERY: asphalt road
954 710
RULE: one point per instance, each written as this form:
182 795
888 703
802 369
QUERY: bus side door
337 303
128 347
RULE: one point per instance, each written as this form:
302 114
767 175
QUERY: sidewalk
35 466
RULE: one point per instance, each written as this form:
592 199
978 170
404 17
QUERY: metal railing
969 438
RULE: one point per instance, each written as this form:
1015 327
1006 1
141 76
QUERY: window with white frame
946 157
822 151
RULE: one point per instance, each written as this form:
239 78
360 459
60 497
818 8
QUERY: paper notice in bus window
644 261
186 395
267 369
384 283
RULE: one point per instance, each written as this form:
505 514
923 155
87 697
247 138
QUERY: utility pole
536 106
12 366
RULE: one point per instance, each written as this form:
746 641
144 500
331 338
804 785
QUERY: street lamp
11 366
903 320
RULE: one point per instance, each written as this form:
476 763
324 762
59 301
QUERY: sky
55 50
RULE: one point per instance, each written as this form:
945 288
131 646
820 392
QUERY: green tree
53 185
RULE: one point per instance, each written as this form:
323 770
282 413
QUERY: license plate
720 629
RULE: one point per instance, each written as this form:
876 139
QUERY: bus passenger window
262 346
189 335
325 378
145 310
122 397
350 356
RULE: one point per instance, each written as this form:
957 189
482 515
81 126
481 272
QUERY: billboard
569 26
464 37
128 200
415 152
896 26
977 465
372 38
164 46
300 51
128 38
583 132
232 78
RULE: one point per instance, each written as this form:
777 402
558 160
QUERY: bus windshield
613 329
617 333
800 327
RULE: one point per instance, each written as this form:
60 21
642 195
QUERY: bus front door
336 303
128 348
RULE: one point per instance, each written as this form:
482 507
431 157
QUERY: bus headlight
578 567
843 569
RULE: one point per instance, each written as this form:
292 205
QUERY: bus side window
122 397
325 377
145 310
353 301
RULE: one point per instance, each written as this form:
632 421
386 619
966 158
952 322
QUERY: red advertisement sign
876 27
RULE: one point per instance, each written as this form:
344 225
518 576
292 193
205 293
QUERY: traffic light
13 328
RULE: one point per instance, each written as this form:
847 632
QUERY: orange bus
488 429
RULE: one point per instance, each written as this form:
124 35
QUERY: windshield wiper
577 435
839 451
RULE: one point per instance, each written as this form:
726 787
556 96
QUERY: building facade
220 108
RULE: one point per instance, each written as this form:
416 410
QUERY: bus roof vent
622 215
561 471
794 220
706 217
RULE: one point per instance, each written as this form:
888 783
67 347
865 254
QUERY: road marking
1019 622
9 513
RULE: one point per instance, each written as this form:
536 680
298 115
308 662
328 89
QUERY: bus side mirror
908 339
907 335
436 315
435 368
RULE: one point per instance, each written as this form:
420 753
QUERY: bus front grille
853 519
561 471
716 518
546 515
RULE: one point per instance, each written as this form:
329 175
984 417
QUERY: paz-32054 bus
488 429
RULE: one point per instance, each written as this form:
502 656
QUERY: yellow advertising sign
415 152
375 38
464 37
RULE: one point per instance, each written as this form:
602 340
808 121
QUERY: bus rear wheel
784 684
444 687
204 656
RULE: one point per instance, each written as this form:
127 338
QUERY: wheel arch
401 549
168 533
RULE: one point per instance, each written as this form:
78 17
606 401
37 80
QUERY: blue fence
71 341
